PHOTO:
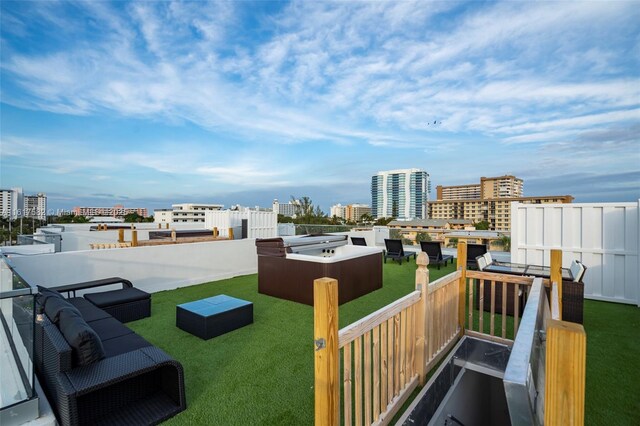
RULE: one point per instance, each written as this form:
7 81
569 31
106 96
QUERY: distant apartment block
35 206
490 201
11 203
435 228
489 187
338 211
496 211
184 213
116 211
350 212
402 194
285 209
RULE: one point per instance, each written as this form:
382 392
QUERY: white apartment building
35 206
288 209
339 211
402 194
184 213
11 203
507 186
352 212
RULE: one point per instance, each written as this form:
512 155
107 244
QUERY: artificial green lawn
263 373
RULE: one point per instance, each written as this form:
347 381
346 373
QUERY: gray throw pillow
55 306
86 344
45 294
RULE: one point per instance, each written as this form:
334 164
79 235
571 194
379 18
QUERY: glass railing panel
17 316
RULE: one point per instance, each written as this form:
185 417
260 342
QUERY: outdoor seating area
96 370
572 282
225 371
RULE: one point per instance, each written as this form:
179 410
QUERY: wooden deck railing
442 318
387 354
512 292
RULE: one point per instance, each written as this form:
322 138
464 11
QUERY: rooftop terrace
263 373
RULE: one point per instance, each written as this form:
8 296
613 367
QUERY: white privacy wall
152 268
604 236
260 224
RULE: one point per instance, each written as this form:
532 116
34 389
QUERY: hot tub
287 267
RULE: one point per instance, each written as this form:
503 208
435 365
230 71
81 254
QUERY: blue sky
153 103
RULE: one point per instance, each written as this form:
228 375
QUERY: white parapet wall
260 224
152 269
604 236
80 236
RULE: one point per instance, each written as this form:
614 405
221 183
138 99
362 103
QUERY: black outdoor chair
434 251
358 241
395 251
473 251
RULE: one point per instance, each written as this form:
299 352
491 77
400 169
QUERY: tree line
309 214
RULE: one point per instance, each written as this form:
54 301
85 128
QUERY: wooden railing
442 318
508 288
386 354
566 356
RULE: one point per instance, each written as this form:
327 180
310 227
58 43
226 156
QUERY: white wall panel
604 236
153 268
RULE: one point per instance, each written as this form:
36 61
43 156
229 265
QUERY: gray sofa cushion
44 294
54 306
85 342
88 310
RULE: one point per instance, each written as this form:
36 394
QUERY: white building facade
35 206
288 209
339 211
402 194
184 213
11 203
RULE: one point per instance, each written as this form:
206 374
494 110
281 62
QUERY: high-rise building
402 194
489 201
116 211
338 211
289 209
351 212
11 203
489 187
35 206
354 212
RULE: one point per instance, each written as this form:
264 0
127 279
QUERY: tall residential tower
402 194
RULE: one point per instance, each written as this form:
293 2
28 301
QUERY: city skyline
150 104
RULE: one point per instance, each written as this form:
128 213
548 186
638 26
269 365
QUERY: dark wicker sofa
128 381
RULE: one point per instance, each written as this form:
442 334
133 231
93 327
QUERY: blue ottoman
213 316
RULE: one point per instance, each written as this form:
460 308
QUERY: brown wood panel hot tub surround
292 278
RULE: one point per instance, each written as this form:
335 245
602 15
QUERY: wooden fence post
121 235
134 238
565 373
231 233
422 285
326 359
462 289
556 274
